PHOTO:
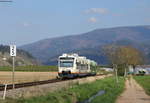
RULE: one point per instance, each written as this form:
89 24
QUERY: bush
120 70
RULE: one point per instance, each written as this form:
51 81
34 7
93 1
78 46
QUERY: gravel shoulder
133 93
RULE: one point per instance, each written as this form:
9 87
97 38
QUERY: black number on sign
13 51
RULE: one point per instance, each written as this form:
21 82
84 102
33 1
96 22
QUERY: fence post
4 95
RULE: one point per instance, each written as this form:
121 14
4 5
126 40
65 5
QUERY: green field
30 68
144 81
78 93
42 68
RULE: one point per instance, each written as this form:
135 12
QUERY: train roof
69 55
79 58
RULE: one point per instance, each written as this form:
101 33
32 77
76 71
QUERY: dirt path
133 93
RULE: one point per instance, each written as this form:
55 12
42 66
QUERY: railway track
28 84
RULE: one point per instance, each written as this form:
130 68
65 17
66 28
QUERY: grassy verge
144 81
80 92
30 68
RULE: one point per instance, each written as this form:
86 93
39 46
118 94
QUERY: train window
66 63
66 58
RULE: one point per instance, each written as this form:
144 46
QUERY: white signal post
13 54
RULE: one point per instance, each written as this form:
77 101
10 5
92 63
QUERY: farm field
20 77
144 81
32 68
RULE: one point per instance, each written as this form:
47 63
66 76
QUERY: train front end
66 66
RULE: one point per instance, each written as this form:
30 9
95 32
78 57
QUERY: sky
27 21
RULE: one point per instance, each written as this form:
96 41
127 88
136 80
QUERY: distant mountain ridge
46 50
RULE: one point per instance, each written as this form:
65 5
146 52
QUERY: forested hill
89 43
22 58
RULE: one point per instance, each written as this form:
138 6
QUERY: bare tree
129 56
111 52
123 56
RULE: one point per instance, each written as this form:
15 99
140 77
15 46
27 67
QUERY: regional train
73 65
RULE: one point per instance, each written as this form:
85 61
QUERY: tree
127 56
123 56
111 52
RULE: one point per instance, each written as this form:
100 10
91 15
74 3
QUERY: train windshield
66 63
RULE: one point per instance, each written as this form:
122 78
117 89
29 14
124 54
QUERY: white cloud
93 20
147 20
97 10
117 14
26 24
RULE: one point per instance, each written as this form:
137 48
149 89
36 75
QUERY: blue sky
27 21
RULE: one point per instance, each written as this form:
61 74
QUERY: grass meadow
144 81
78 93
